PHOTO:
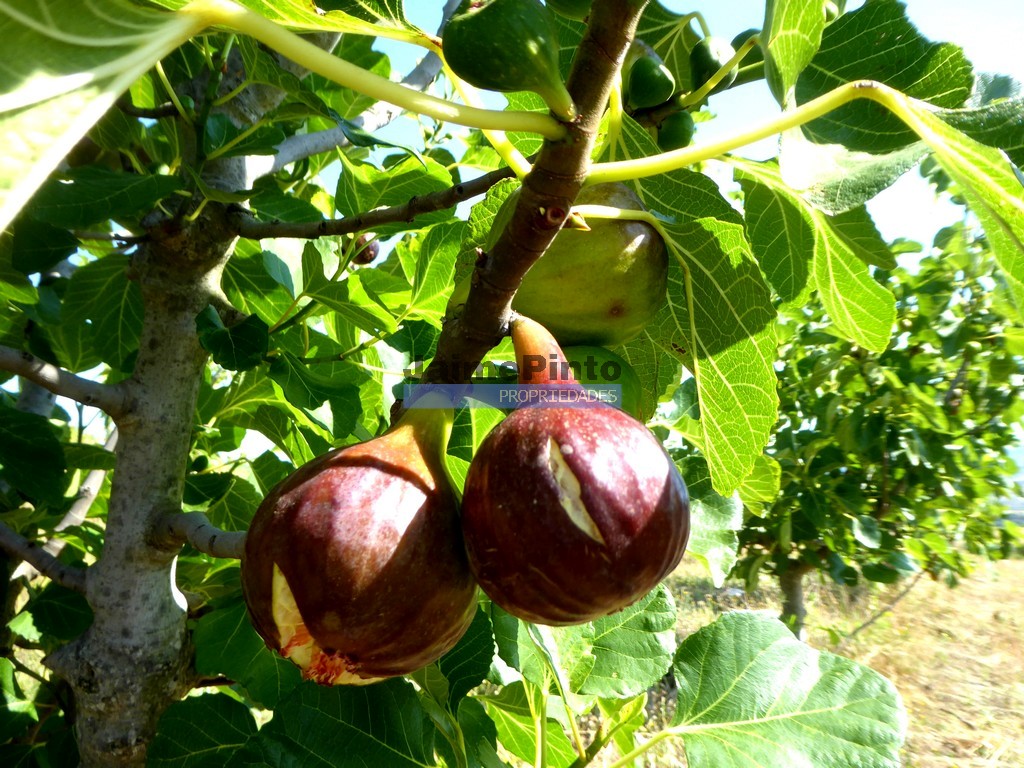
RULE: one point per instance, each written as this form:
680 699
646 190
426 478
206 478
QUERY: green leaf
226 644
988 182
247 282
435 268
93 195
304 386
750 693
234 509
471 426
39 246
466 665
101 293
17 712
510 709
57 613
763 484
878 42
995 117
93 53
382 724
351 299
201 732
791 33
633 648
835 179
720 323
363 187
714 521
14 286
238 348
861 309
31 456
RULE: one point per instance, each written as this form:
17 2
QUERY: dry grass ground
956 656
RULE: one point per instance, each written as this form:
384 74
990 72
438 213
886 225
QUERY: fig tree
507 45
354 567
708 56
598 286
570 514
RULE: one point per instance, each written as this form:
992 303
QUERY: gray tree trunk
794 610
136 659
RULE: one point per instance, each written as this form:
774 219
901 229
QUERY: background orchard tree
190 217
894 462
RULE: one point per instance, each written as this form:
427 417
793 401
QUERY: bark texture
794 609
136 659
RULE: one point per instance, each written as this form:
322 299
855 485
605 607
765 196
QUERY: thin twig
881 611
16 545
107 398
126 105
76 515
247 226
195 529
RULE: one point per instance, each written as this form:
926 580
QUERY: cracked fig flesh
570 514
354 567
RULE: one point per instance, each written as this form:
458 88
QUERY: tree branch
547 195
245 225
76 515
16 545
107 398
195 529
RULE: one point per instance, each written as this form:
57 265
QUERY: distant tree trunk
794 611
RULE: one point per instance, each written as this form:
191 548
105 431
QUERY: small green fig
756 54
507 45
598 286
570 513
354 567
676 131
650 83
707 57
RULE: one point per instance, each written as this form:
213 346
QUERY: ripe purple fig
354 567
570 514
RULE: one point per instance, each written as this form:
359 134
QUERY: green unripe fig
598 286
650 83
675 131
707 57
508 45
597 365
571 9
756 54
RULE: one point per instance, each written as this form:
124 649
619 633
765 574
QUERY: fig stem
497 139
701 93
302 52
630 170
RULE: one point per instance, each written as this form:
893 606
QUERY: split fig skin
570 514
354 566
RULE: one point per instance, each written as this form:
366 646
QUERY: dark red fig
570 514
354 566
